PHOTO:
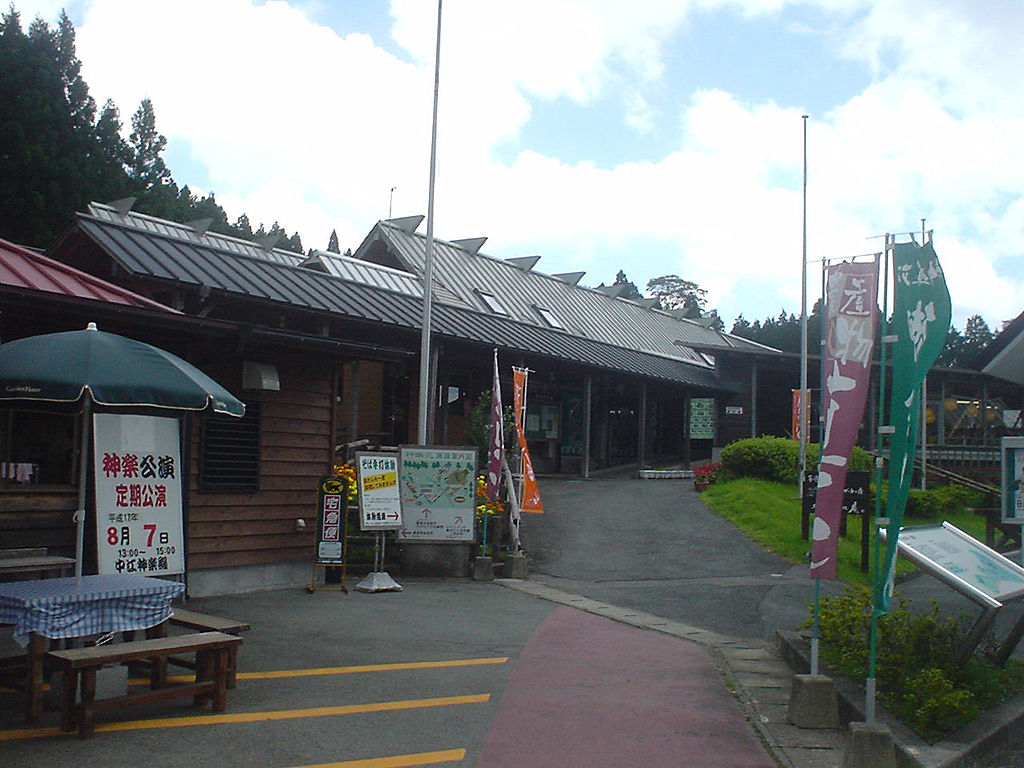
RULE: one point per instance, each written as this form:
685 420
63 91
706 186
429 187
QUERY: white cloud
297 124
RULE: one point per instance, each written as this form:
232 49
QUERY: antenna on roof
269 242
407 223
525 263
199 226
471 244
123 206
572 278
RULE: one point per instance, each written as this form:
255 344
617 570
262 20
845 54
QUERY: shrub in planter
918 678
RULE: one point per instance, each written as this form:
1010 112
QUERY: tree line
783 332
58 151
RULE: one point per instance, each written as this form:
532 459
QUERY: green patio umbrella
104 371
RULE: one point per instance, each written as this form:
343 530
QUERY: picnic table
49 609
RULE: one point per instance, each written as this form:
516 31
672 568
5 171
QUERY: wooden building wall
236 529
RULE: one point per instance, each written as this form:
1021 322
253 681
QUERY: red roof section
24 268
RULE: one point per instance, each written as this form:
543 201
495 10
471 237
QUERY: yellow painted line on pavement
370 668
398 761
253 717
285 673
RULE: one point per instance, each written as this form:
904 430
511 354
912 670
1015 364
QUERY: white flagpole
428 265
803 326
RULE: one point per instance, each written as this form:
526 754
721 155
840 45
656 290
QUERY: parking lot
407 678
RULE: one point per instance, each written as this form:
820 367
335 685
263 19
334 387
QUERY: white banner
137 472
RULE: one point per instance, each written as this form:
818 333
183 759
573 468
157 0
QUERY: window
493 303
549 317
37 448
230 452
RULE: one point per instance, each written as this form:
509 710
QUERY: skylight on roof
549 317
493 303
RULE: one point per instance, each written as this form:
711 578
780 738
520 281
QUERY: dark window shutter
230 452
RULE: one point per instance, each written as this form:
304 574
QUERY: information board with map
962 561
437 486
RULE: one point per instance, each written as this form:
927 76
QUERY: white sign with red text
137 471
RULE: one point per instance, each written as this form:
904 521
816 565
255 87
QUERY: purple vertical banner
851 314
497 443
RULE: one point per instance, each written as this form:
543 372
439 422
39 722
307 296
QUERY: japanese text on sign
138 495
379 504
437 486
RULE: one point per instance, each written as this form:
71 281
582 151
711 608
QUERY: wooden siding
40 519
258 527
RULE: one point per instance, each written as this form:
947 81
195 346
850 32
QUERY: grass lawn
769 513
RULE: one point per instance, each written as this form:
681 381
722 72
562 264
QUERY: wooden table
47 609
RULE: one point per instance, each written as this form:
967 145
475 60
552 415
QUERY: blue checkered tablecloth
58 608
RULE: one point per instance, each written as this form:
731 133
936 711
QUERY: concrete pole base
517 567
483 569
813 702
870 746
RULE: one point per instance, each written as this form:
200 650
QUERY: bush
916 672
778 459
940 501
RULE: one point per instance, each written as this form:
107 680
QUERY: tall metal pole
803 399
428 261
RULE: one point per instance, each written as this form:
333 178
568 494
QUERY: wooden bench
33 563
211 650
205 623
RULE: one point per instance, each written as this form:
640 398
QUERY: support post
588 403
641 449
753 397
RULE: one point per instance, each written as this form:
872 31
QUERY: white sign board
437 486
380 506
137 472
968 565
1013 479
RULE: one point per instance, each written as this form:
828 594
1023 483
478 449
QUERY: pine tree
332 244
630 291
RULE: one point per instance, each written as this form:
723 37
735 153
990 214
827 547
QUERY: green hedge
778 459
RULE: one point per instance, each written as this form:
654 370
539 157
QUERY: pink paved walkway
594 693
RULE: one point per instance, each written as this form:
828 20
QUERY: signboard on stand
137 475
330 528
437 488
380 506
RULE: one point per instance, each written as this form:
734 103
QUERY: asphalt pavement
645 635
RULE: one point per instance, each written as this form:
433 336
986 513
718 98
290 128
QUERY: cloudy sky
654 136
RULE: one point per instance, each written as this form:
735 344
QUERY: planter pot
700 485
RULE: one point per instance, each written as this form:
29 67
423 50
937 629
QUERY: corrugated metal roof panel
22 268
582 311
186 233
151 254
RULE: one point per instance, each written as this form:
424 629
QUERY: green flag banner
921 319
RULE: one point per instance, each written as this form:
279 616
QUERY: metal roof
21 268
588 312
347 288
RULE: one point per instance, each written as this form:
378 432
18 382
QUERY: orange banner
531 493
796 413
